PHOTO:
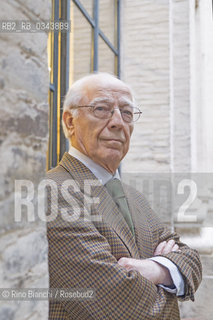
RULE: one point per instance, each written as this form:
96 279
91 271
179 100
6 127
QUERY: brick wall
145 66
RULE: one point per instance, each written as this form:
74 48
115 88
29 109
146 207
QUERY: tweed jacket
87 235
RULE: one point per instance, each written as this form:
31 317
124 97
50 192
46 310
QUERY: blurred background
164 50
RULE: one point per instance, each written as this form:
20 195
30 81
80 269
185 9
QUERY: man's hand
149 269
166 247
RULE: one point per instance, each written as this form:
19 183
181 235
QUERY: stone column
24 80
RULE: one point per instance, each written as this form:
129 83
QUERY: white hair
77 94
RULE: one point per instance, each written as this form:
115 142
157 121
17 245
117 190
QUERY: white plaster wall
202 86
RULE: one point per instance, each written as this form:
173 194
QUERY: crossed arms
84 255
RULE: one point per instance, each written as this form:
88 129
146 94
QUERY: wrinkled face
105 141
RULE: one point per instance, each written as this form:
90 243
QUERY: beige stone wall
24 79
165 57
145 66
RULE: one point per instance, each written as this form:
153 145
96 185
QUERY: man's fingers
169 246
123 261
166 247
160 248
175 248
128 263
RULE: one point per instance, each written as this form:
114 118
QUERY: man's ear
68 120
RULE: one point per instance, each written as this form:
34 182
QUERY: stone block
21 252
202 308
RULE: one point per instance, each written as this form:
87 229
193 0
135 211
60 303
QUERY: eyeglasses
103 111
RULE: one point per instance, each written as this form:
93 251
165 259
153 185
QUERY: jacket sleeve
186 259
80 257
188 262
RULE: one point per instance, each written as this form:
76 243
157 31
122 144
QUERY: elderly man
104 236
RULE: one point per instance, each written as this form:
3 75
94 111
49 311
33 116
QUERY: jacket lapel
106 207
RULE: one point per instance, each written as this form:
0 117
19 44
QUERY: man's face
105 141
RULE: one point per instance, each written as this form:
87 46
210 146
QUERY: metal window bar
52 159
60 84
96 33
118 27
65 46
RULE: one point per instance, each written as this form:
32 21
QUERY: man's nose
116 119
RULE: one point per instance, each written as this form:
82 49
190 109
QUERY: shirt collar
101 174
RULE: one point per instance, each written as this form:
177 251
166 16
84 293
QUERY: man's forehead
110 91
109 99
